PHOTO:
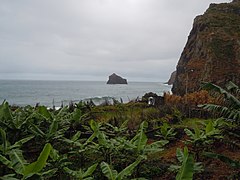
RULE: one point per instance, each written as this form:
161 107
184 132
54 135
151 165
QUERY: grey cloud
64 39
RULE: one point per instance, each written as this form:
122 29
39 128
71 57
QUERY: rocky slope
115 79
172 78
212 52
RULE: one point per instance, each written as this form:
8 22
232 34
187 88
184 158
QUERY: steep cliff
212 52
172 78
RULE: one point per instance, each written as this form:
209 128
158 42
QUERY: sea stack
115 79
212 52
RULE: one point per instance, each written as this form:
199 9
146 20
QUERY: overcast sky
140 40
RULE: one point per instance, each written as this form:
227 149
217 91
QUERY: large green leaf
5 112
90 170
80 174
9 177
164 129
54 154
235 164
197 132
187 169
76 136
17 161
128 170
71 172
155 147
42 110
114 175
229 96
140 139
21 142
108 172
230 108
53 129
94 126
37 131
4 141
189 133
48 174
96 129
180 155
5 161
77 115
209 127
38 165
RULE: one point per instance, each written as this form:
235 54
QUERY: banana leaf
108 172
5 112
42 110
232 163
4 141
38 165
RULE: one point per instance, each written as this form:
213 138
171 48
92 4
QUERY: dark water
26 92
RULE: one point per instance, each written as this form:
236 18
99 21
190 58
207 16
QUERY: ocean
30 92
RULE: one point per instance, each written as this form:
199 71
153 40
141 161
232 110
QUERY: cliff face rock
172 78
212 52
115 79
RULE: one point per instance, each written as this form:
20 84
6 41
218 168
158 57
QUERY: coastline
27 92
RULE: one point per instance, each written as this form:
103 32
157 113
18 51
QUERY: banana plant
230 108
17 163
55 131
140 145
114 130
166 132
206 136
13 122
56 164
112 174
81 174
101 143
6 147
74 140
96 132
43 111
52 132
5 112
78 146
188 167
97 143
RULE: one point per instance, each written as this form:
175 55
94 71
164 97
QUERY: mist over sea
30 92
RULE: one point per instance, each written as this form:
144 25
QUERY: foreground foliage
124 141
229 98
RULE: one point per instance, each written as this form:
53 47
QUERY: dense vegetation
125 141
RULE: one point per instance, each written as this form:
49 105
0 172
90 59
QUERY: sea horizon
45 92
134 81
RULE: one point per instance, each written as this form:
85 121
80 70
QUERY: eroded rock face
115 79
172 78
212 52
